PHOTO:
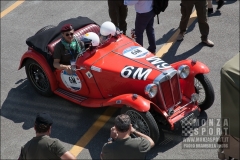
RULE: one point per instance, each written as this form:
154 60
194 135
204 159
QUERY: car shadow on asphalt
173 139
70 121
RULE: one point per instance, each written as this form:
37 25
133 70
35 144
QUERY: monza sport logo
204 133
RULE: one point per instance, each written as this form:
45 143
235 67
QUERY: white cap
108 28
94 37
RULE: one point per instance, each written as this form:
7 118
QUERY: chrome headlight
151 90
183 71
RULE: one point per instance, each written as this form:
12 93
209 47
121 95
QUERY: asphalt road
20 103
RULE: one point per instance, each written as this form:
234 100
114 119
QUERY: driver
66 51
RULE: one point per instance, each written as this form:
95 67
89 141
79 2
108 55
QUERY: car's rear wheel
204 89
143 122
38 78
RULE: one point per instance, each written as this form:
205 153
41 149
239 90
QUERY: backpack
159 6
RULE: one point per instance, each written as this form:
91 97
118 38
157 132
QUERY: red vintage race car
119 72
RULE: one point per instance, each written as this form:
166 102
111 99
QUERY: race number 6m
135 72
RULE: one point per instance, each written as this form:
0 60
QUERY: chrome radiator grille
169 94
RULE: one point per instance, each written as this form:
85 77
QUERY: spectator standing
186 10
42 146
118 14
220 3
144 21
120 144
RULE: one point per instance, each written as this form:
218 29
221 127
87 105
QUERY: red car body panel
116 74
196 67
43 63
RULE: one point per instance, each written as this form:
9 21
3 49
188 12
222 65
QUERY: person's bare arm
67 156
56 64
143 135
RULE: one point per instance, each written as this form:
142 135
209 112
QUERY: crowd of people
120 145
145 18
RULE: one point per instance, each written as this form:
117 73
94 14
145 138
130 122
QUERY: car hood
125 52
127 64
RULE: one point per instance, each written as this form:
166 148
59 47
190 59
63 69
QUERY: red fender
196 67
43 63
139 103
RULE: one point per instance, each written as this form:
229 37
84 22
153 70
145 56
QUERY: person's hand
113 133
68 69
132 129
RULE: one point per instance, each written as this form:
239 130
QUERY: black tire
143 122
38 78
204 89
44 29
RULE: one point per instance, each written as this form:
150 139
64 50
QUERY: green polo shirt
42 147
129 148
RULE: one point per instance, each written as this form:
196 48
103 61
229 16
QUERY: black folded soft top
40 41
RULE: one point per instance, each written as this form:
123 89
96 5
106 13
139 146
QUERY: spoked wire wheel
204 89
200 91
38 78
143 122
138 122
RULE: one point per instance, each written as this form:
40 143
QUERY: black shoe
220 4
210 10
152 51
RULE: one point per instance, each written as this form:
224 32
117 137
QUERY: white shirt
141 6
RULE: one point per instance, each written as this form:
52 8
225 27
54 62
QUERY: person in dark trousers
144 21
120 144
220 3
118 14
186 10
42 146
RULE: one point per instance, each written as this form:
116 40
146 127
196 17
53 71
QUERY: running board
70 96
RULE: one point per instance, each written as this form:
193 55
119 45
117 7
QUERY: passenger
107 29
120 144
94 39
66 51
42 146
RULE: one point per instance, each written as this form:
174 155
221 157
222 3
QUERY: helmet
107 28
94 37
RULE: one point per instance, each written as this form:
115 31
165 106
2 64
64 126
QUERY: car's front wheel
204 89
38 78
143 122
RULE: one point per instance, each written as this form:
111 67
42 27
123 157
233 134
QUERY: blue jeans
145 21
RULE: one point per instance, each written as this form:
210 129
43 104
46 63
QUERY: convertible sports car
119 72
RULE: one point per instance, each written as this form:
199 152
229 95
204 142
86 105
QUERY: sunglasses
68 34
